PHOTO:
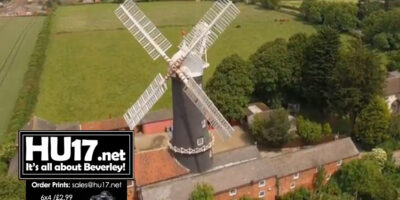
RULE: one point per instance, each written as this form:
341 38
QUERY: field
95 68
17 39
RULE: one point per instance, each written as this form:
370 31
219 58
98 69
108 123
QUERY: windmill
191 142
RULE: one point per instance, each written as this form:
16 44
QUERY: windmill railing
190 151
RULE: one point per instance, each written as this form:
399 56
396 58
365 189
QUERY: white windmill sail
213 23
143 30
207 108
146 101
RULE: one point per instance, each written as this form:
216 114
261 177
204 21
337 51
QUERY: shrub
309 131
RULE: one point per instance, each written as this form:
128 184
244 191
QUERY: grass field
17 39
95 68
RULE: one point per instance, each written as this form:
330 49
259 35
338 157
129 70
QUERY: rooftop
159 115
156 165
392 83
262 168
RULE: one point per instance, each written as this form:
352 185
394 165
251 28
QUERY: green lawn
94 67
17 39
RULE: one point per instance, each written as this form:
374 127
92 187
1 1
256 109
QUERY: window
261 194
203 123
200 141
261 183
232 192
292 185
296 176
339 162
130 183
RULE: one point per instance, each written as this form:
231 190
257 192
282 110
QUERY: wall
156 127
306 177
251 190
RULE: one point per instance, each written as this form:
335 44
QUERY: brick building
242 172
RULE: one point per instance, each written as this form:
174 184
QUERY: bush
272 131
381 41
309 131
202 192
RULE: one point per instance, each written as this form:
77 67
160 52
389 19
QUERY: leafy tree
321 57
271 74
230 87
312 11
394 127
309 131
394 61
366 7
341 16
363 179
380 156
326 129
202 192
272 131
382 29
296 47
373 123
319 180
358 77
299 194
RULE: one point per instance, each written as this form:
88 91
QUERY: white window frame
292 185
200 141
296 176
232 192
339 163
261 183
204 123
261 194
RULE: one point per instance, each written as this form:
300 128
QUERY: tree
394 127
309 131
326 129
299 194
358 77
202 192
296 47
394 61
321 57
382 29
341 16
230 87
272 131
312 11
373 123
366 7
320 179
363 179
271 74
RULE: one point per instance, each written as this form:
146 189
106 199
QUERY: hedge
28 94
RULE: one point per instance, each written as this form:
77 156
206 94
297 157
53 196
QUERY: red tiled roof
109 124
155 166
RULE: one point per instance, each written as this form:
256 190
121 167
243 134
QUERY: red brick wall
306 177
156 127
252 190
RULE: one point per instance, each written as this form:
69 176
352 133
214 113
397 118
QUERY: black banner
90 155
76 190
